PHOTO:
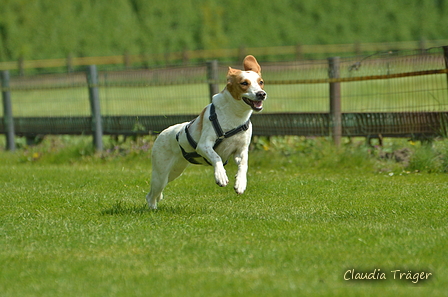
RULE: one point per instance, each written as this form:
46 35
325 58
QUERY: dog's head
247 85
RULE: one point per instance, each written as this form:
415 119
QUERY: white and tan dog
222 129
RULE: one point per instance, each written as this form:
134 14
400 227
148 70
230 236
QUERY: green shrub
51 29
304 153
431 157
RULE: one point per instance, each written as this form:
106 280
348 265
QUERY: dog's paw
240 185
152 201
152 205
221 177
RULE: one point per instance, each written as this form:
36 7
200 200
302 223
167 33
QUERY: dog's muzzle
257 104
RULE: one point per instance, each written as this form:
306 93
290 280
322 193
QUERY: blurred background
154 68
45 29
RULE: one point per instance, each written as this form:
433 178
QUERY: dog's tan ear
232 71
251 64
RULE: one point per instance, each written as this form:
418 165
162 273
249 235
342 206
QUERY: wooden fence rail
299 51
333 123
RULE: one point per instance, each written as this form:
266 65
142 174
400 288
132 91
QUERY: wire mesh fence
396 93
401 94
164 91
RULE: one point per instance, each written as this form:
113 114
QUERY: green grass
75 224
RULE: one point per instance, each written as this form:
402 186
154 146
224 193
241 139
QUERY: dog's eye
261 83
244 83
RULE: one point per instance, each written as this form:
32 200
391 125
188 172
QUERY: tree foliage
40 29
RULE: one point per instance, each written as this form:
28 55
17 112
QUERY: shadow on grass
122 208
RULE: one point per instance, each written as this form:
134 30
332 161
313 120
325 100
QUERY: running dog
222 129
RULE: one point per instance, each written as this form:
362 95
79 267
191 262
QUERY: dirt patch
402 156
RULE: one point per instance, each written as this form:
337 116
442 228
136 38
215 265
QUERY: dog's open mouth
255 104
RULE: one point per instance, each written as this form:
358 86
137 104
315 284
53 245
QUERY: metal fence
387 94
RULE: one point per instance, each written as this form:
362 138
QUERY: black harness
191 157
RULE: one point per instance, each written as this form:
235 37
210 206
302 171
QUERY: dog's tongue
258 104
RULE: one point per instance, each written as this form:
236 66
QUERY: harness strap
191 157
218 130
214 119
189 137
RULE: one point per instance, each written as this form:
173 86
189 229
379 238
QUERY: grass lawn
83 229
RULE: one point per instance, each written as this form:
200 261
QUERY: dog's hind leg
155 194
167 164
161 176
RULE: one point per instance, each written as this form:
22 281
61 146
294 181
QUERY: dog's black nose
261 95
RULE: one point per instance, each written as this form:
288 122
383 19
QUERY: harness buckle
213 117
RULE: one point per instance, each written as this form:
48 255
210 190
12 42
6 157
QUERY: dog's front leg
205 149
241 159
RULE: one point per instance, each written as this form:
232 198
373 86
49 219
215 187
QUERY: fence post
8 120
444 120
357 48
185 57
212 77
335 101
127 60
299 52
69 63
241 53
94 97
445 55
21 66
